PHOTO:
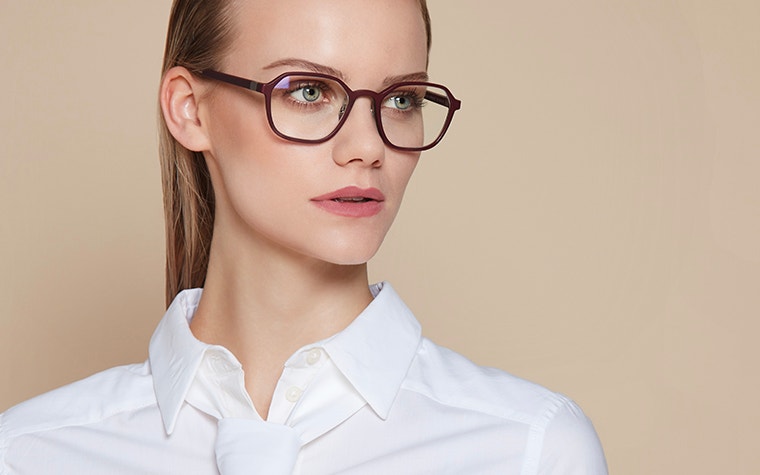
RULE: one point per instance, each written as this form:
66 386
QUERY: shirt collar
374 352
175 356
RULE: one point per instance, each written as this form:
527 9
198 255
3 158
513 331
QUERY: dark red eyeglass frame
448 100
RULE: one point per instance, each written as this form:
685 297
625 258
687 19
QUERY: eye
403 101
306 93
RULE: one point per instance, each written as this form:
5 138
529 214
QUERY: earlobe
179 105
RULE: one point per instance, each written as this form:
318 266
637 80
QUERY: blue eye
403 101
307 93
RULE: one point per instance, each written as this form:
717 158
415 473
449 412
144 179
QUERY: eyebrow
322 69
420 76
306 65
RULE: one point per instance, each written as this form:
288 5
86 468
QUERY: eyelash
417 101
322 87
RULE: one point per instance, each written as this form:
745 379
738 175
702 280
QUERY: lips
351 201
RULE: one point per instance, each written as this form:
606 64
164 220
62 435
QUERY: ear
179 95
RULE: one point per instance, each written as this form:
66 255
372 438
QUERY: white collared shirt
376 398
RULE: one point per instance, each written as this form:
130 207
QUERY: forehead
360 38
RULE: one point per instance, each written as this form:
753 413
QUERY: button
293 394
313 356
219 363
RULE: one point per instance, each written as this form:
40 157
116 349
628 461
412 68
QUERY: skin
283 272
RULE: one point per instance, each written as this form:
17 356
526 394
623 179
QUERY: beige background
590 223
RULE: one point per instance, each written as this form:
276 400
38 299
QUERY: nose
358 141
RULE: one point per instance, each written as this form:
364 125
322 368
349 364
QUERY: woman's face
278 192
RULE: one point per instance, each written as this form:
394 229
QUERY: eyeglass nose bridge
351 98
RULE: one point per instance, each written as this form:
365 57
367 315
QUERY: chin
343 246
348 254
349 259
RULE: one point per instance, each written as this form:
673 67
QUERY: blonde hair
199 33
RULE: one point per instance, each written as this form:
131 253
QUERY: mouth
352 202
352 199
352 194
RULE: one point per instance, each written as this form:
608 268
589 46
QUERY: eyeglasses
311 108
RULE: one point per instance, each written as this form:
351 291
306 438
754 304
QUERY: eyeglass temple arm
230 79
443 100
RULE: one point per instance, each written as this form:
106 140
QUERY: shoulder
570 445
559 436
452 379
83 402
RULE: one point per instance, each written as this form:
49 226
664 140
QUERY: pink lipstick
352 201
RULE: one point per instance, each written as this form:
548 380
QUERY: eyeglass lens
311 108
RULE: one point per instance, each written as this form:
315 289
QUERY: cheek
246 167
241 143
402 173
259 182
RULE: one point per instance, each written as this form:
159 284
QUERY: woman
290 131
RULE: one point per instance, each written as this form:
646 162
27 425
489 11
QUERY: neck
263 303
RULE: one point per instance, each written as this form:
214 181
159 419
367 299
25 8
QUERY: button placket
294 382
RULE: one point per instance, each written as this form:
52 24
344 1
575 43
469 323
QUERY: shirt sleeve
571 446
3 443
